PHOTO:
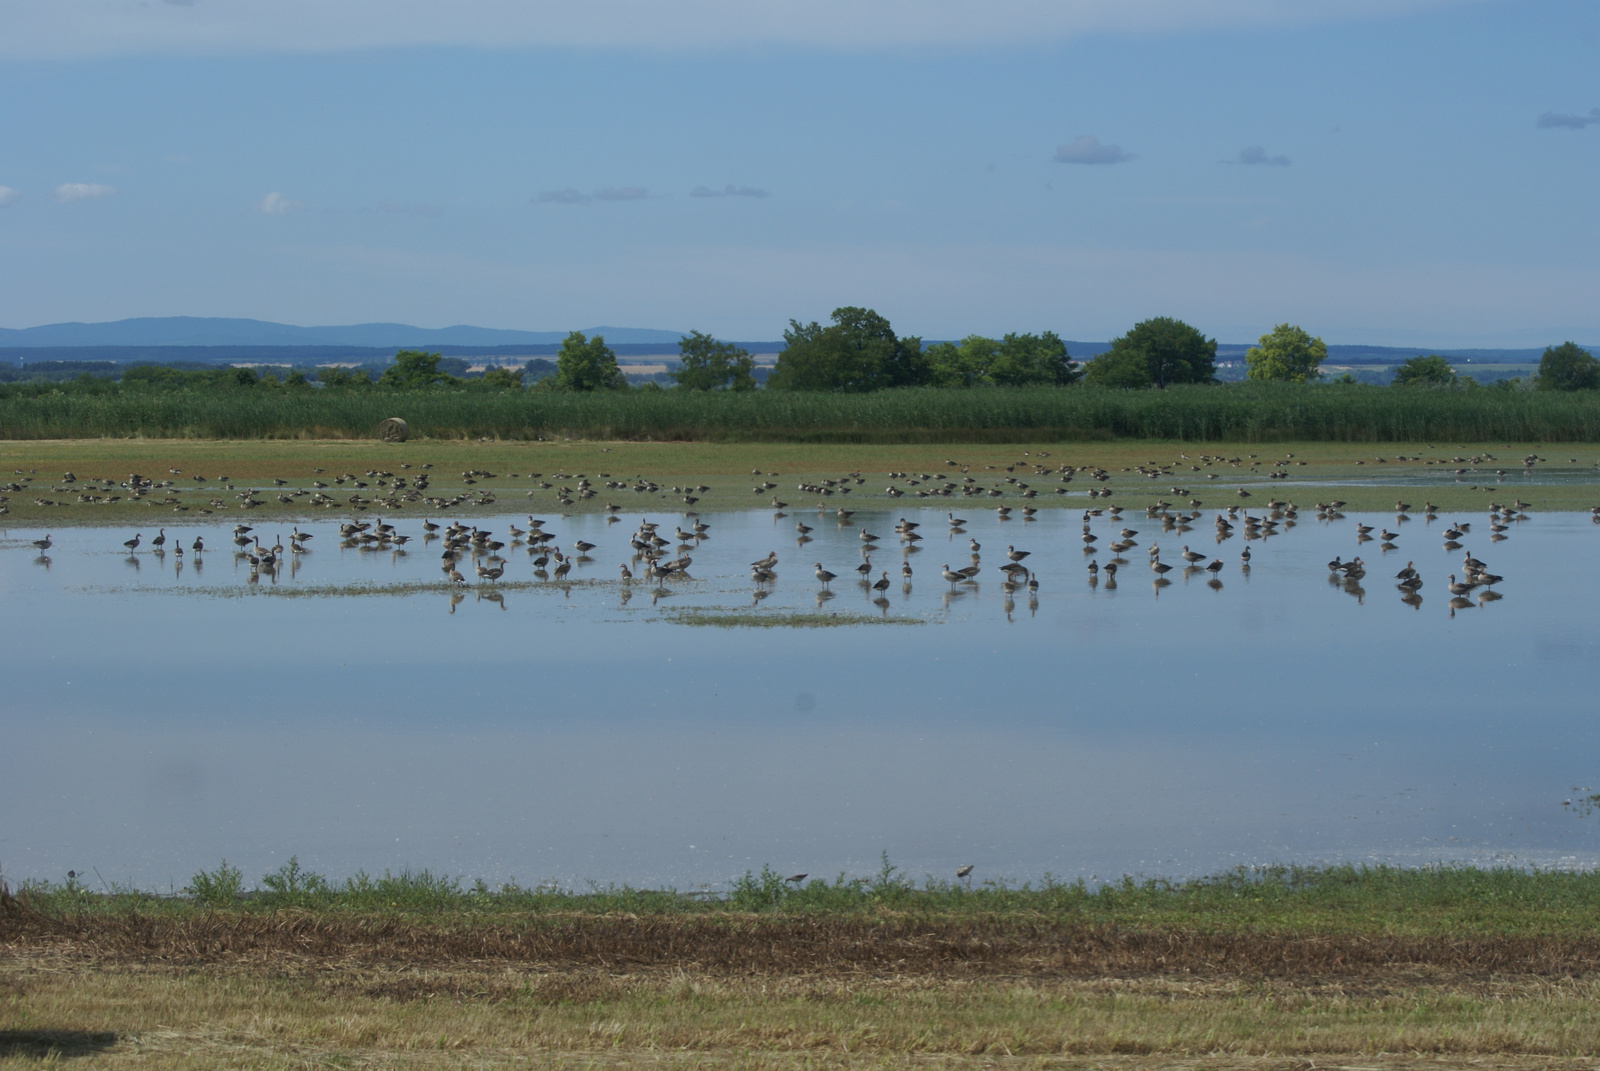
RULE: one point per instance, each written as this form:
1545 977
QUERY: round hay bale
394 430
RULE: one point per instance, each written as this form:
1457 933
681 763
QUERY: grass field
1342 967
1138 473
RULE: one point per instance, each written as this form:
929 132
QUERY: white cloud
1556 121
7 195
54 28
730 190
1088 149
568 196
1256 156
68 192
276 204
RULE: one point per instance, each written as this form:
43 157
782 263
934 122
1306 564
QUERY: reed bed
1242 412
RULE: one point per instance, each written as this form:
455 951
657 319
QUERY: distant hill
219 331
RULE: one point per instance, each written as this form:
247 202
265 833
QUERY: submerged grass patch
715 618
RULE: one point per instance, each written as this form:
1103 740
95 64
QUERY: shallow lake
354 711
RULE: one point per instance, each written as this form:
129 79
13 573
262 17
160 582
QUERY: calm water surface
157 720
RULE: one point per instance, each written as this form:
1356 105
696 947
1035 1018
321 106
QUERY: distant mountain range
219 331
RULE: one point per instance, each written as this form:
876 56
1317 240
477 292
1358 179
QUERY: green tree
1568 367
1014 361
413 369
712 365
962 364
1430 371
502 379
1033 360
1169 351
343 377
858 352
1286 354
587 364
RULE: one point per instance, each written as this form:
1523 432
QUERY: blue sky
1376 172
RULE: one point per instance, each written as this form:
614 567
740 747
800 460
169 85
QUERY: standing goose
1190 556
198 546
132 544
954 577
823 575
1017 555
160 540
43 544
882 583
905 570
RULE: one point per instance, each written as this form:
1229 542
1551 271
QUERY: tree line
859 351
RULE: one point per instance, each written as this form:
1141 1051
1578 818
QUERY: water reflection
649 735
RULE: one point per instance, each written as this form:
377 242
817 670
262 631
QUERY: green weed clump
1237 412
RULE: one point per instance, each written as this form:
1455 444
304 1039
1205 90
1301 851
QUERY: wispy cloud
68 192
276 204
1256 156
1557 121
410 210
621 193
1088 149
7 195
729 190
568 196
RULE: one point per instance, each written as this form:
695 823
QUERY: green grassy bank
1242 412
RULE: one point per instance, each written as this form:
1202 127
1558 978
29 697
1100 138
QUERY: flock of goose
659 555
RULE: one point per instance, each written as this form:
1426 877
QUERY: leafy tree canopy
858 352
1014 361
502 379
414 369
1430 371
712 365
1286 354
1568 367
1155 353
343 377
587 364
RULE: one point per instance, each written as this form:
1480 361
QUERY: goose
1335 565
1487 579
298 536
198 545
160 540
882 583
1388 536
491 574
1458 588
132 544
975 545
1190 556
905 570
868 537
583 548
1160 567
43 544
1410 584
627 574
802 528
766 563
563 567
177 547
956 522
954 577
865 568
1244 556
1215 566
1407 573
1111 570
1094 568
1017 555
1033 584
455 575
823 575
